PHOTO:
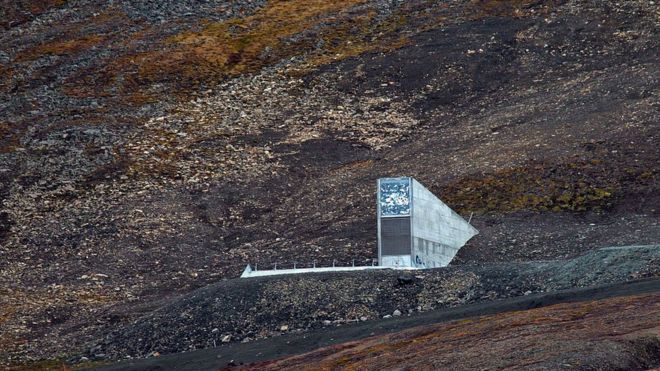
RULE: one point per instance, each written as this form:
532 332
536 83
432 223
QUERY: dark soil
254 308
610 334
291 344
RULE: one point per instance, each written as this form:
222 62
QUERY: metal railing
313 264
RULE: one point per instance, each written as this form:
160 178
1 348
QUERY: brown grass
10 136
236 46
321 31
527 337
61 47
42 5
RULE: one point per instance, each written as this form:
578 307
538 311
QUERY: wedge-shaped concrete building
415 228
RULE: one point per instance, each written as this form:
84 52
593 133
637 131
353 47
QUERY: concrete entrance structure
415 228
415 231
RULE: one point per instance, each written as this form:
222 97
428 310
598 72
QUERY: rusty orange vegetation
236 46
43 5
502 340
64 47
241 45
74 38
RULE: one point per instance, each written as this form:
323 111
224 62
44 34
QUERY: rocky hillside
149 148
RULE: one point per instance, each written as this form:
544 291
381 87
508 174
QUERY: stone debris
255 308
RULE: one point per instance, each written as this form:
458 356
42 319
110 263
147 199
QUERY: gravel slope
249 309
288 345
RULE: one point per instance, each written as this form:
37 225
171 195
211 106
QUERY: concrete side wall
438 232
429 254
396 260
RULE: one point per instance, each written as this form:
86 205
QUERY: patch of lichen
240 45
61 47
9 137
138 98
162 163
362 34
6 75
317 31
577 186
41 6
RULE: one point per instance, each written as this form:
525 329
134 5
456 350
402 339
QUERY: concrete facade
435 232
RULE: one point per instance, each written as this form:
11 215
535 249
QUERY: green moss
575 186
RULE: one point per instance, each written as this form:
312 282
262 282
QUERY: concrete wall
396 260
249 272
437 231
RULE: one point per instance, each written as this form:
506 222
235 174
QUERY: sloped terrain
151 148
620 333
295 343
254 308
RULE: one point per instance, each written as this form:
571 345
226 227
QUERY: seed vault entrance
415 228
